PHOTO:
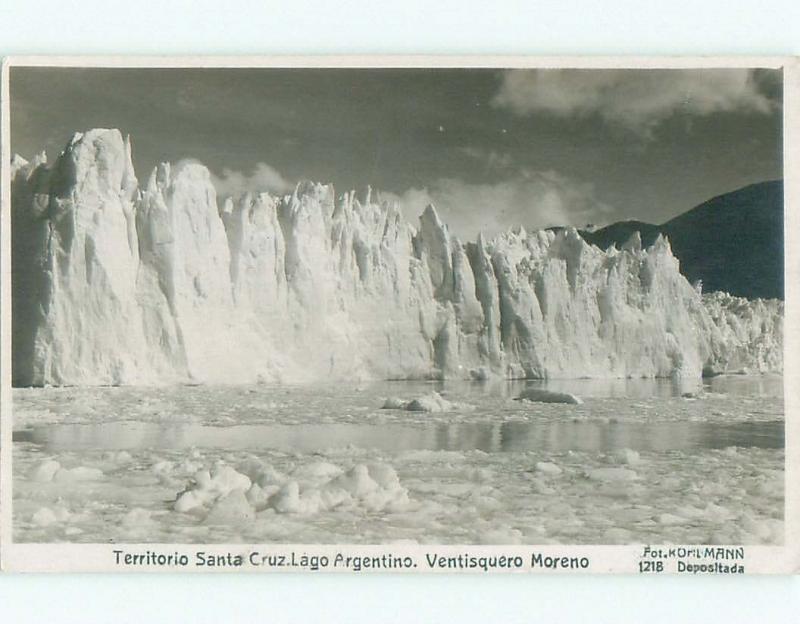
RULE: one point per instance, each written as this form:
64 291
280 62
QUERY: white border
791 345
5 314
400 61
100 557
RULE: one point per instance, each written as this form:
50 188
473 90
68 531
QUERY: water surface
490 438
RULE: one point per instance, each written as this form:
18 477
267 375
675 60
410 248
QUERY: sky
491 149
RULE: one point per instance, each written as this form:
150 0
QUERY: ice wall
116 283
746 336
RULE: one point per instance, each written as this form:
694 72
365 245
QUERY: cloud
492 159
534 199
263 178
635 99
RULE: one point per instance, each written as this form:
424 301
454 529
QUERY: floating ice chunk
429 403
394 403
189 500
546 396
81 473
269 476
44 517
548 468
384 475
223 479
252 467
44 471
627 456
317 472
612 474
357 481
433 402
229 496
288 500
375 488
259 496
211 485
230 509
260 472
136 518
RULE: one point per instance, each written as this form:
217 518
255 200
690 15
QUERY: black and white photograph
399 306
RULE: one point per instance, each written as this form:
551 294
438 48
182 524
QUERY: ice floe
433 402
536 395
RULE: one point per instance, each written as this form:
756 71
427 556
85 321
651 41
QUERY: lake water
639 461
486 437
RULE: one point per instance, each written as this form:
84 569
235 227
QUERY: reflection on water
127 413
738 385
556 436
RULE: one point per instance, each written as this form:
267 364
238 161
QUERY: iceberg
222 495
120 283
433 402
536 395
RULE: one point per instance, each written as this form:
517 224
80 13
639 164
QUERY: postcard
400 314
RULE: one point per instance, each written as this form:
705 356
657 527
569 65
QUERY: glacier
117 282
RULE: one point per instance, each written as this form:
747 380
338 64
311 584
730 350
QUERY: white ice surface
121 283
167 465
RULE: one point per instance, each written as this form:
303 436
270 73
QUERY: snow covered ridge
120 283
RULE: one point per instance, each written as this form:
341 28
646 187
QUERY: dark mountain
618 233
733 242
